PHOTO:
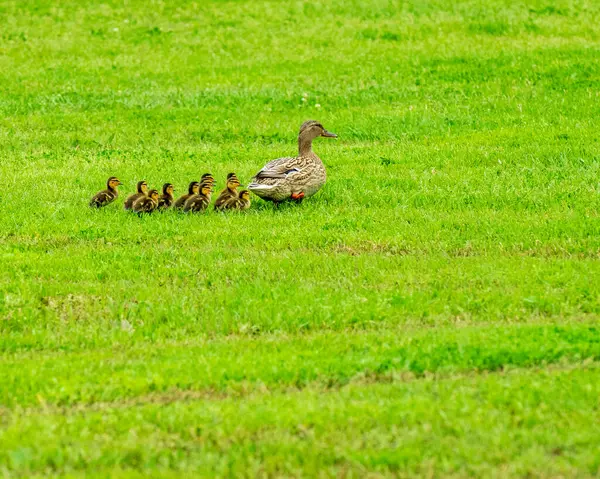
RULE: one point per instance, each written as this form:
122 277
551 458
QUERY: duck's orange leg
298 196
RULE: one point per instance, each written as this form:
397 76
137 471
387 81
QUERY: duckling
200 201
294 178
107 196
166 199
229 192
193 189
240 202
146 204
142 190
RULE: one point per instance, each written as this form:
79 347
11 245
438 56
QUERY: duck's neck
112 189
304 146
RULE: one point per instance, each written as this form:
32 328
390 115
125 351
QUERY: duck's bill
328 134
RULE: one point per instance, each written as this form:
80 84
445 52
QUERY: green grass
432 312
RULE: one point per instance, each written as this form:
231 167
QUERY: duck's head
142 187
232 181
206 189
168 189
312 129
153 194
207 178
245 195
194 188
113 182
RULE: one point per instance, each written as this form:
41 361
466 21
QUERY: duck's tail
260 189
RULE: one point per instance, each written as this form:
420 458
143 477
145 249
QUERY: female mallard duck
240 202
200 201
193 189
294 178
229 192
166 199
142 190
146 204
104 197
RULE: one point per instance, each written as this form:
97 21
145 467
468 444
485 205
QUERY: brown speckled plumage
286 178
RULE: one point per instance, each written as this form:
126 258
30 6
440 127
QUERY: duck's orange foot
298 196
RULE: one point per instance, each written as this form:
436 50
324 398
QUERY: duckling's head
194 188
153 194
206 189
142 187
168 189
312 129
245 195
232 181
113 182
206 177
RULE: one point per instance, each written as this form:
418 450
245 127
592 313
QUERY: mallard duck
193 189
200 201
142 190
104 197
147 203
229 192
239 202
166 199
294 178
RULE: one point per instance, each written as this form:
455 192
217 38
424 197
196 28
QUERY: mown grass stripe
329 358
542 423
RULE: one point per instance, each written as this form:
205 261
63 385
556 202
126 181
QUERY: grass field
433 311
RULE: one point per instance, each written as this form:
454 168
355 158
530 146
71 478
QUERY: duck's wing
132 199
222 198
139 205
279 168
180 202
230 203
100 199
193 203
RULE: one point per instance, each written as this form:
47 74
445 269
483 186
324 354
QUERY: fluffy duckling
200 201
142 190
193 189
146 204
230 191
166 199
240 202
107 196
